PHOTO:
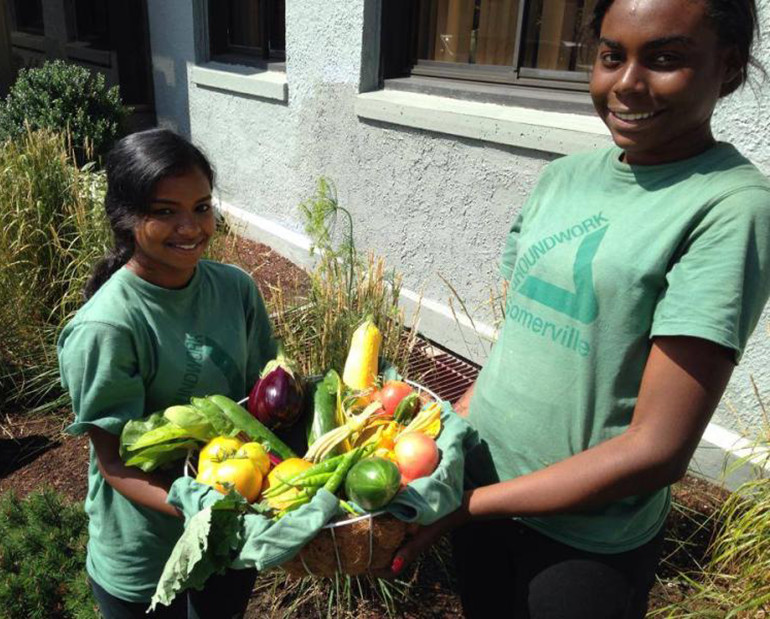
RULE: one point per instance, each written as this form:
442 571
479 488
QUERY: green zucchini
245 422
323 417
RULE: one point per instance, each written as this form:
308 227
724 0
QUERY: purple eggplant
277 397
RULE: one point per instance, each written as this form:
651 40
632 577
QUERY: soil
35 452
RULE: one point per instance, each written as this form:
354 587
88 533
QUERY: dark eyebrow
609 43
175 203
661 42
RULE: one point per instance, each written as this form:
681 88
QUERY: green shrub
42 558
64 97
52 231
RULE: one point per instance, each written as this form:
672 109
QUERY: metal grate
441 372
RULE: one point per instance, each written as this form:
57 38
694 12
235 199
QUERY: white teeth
193 246
643 116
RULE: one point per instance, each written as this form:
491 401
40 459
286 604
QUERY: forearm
142 488
612 470
145 489
681 386
462 405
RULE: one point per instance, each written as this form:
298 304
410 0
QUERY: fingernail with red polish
398 564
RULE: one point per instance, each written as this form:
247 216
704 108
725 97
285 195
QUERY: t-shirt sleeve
261 344
511 249
99 368
720 282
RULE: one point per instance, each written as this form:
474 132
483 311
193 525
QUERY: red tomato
416 455
392 392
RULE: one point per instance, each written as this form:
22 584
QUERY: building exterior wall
436 202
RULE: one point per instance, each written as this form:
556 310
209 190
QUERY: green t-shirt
135 348
603 257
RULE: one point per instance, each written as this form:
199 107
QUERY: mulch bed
35 452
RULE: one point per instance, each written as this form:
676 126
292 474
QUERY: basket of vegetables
365 437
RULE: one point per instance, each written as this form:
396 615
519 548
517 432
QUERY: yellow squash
361 365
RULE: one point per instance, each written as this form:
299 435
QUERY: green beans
306 482
327 466
349 459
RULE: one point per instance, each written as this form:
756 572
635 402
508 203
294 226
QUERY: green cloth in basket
429 499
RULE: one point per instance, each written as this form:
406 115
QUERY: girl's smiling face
172 237
658 74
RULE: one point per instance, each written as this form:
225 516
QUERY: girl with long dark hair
635 276
159 325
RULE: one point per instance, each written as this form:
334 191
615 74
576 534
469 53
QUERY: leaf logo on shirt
581 304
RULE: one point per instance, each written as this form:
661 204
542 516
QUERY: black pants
506 569
223 597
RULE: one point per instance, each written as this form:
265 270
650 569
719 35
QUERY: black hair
134 166
734 21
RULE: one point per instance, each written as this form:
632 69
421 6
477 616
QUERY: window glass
246 27
553 32
28 15
277 25
524 36
243 24
468 31
91 23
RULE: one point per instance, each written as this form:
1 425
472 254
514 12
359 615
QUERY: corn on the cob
361 364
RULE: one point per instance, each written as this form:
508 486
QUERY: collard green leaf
221 424
134 429
206 547
188 552
164 434
150 458
192 420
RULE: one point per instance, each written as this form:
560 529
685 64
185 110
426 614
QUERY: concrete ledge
242 80
728 459
553 132
723 457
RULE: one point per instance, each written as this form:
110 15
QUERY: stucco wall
429 203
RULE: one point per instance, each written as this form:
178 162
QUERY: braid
118 256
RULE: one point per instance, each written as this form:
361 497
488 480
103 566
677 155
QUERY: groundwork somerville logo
579 304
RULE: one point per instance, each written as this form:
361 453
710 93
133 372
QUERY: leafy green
150 458
192 420
164 434
168 435
134 430
207 546
221 424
